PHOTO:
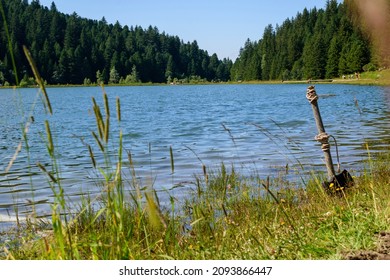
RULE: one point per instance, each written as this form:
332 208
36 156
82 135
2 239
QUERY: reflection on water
259 128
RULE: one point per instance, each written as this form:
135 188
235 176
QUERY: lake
258 128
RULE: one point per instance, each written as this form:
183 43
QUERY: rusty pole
322 136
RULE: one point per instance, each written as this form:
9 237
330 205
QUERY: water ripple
259 128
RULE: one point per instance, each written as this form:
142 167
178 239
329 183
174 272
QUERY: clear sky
219 26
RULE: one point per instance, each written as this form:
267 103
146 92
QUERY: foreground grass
227 217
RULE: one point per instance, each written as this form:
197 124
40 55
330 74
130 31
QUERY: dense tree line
317 44
69 49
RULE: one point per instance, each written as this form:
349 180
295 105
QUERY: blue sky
219 26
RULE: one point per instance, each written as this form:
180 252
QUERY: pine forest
315 44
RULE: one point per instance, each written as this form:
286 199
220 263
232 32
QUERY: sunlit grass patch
231 217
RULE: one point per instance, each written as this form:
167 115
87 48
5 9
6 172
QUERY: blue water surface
257 128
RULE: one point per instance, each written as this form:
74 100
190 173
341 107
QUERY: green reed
38 79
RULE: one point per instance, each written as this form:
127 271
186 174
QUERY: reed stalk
172 160
118 109
38 79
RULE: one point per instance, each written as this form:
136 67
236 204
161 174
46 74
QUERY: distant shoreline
377 78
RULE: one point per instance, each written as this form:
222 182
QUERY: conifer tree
71 49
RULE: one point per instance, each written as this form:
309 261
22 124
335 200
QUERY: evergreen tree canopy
316 44
69 49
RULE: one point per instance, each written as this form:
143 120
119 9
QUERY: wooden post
322 136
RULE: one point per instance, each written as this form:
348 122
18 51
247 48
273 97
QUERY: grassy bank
378 78
227 216
374 78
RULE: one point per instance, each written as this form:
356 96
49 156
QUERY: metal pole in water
322 136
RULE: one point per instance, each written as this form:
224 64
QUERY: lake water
258 128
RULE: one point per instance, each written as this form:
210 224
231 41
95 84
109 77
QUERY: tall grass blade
99 118
92 156
206 176
107 129
106 106
267 188
172 160
14 157
50 145
156 218
98 141
118 177
130 159
10 48
47 172
107 122
229 131
38 79
118 109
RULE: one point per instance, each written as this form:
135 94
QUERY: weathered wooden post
322 136
336 183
